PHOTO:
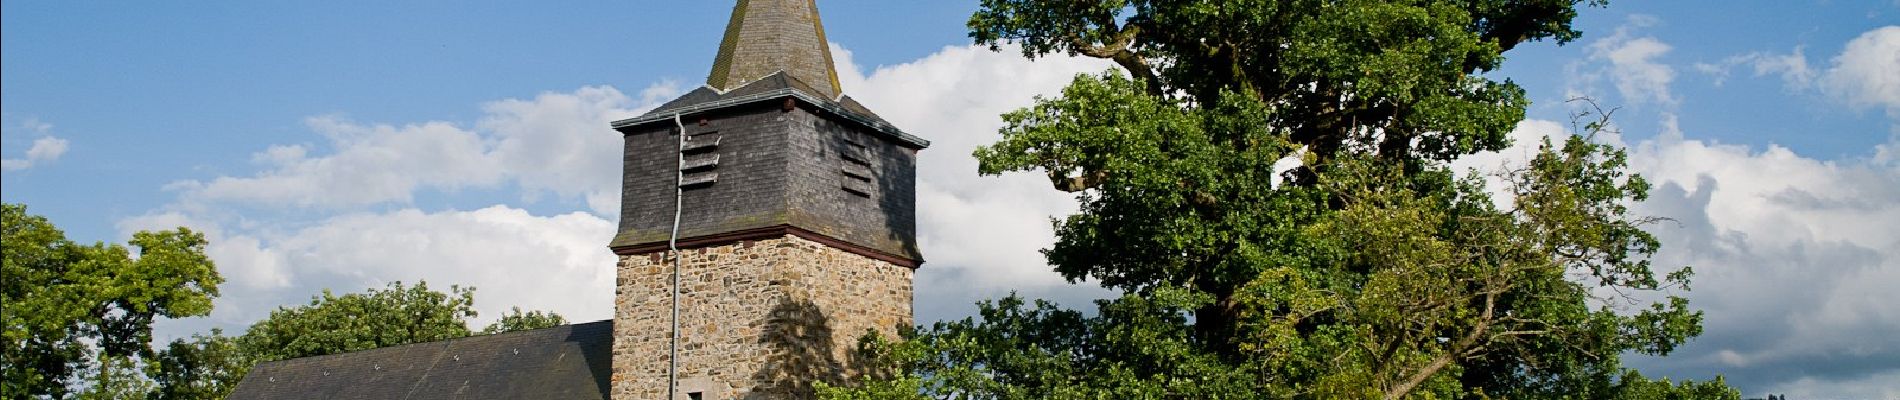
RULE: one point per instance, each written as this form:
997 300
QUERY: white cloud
1792 67
542 145
45 148
371 164
244 261
1525 140
555 142
1871 386
557 263
514 258
1867 72
1888 154
1795 259
1632 64
977 232
551 144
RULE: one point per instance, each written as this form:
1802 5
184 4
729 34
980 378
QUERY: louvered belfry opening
797 220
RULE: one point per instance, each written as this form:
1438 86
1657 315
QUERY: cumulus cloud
45 147
1867 72
554 142
1794 258
1632 64
980 234
337 239
1794 255
555 262
1525 140
513 258
538 144
370 164
1871 386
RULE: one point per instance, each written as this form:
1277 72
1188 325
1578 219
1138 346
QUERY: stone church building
793 211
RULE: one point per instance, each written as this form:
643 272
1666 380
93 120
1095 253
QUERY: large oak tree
1267 182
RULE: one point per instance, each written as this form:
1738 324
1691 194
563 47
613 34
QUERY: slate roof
774 49
765 36
771 87
563 362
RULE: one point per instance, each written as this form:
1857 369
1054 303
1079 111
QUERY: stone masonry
759 319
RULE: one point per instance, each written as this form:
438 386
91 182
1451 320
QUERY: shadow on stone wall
798 335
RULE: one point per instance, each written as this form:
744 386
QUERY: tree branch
1443 359
1088 180
1119 52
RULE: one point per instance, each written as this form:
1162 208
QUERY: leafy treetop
68 308
1269 187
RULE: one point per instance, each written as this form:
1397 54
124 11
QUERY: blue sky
347 144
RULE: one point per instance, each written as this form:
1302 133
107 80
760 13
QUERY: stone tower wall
760 319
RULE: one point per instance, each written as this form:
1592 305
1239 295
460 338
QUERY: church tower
796 222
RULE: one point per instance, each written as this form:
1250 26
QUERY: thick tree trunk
1215 325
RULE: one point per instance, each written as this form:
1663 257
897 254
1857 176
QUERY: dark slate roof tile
777 82
564 362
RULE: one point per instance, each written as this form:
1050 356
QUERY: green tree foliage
68 307
115 378
202 367
332 324
78 318
1634 386
211 366
516 320
1368 269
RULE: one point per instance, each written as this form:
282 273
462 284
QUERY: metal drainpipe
672 245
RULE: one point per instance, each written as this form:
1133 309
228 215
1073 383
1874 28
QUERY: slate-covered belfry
797 230
798 213
767 158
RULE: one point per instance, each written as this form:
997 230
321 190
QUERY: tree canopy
332 324
210 366
516 320
78 318
1268 184
70 308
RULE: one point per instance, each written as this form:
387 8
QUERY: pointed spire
767 36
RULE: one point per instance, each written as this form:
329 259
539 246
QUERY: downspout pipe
672 246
